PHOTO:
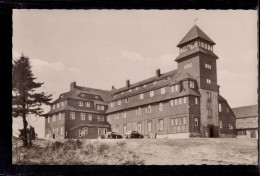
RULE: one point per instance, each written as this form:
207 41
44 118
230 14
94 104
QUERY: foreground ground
139 151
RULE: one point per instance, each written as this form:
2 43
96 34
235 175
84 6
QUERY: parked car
113 135
133 134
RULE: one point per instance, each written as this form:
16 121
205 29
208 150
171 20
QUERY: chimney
113 87
72 85
158 73
127 83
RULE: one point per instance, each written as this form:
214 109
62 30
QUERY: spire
194 33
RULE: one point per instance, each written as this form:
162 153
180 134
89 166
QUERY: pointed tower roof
194 33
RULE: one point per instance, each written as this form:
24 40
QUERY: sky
102 48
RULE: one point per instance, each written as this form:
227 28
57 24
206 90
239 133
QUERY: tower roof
195 32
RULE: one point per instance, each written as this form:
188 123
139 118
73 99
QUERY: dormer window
112 104
136 88
130 90
155 82
192 85
83 95
119 102
141 96
80 103
88 104
144 86
122 93
151 93
163 90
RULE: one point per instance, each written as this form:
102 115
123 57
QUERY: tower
196 57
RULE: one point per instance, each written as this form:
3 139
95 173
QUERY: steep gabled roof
246 111
195 32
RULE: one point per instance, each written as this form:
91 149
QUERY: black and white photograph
134 87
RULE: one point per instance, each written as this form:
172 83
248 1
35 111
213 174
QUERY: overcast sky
101 48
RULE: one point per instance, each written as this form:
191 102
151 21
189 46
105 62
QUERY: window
88 104
130 90
209 96
208 66
139 111
119 102
189 65
173 88
124 114
98 118
176 121
227 110
149 126
230 126
155 82
149 109
184 120
139 127
160 125
124 129
208 81
83 131
57 131
61 131
180 121
151 93
136 88
83 95
48 119
112 104
80 103
141 96
163 90
160 107
184 99
53 106
102 118
58 105
59 116
196 100
102 131
176 101
122 93
220 124
192 85
144 86
126 100
90 117
219 107
62 104
176 88
72 115
54 118
172 122
196 120
82 116
100 107
171 102
180 100
209 113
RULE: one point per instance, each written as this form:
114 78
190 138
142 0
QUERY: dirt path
196 151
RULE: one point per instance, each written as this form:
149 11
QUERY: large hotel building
181 103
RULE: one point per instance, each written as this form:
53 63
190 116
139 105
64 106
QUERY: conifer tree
26 100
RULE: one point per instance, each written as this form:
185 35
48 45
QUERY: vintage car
133 134
113 135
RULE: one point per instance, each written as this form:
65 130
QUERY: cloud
74 70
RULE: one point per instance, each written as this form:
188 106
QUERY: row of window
87 104
83 116
59 131
254 119
174 88
55 117
160 124
58 105
148 109
221 125
194 45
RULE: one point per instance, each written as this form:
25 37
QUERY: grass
75 152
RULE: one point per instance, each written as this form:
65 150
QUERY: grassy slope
139 151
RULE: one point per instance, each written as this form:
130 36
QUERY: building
247 121
181 103
78 113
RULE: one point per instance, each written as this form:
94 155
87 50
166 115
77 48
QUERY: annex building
180 103
247 121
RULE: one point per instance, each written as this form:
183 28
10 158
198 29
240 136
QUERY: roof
146 81
195 32
71 108
220 98
196 50
246 111
155 99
